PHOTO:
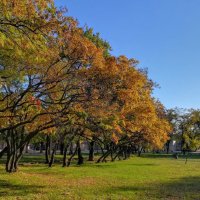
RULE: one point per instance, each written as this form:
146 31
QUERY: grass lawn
148 177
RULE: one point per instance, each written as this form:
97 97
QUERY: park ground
152 176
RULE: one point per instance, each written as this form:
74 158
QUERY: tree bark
62 148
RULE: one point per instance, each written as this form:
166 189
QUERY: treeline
61 81
185 129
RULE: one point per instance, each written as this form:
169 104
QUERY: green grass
148 177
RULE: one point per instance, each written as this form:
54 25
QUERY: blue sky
164 35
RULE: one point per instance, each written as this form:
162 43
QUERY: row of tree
60 80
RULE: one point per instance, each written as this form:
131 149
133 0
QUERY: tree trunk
65 157
66 145
19 156
65 154
53 155
139 151
112 152
104 156
11 153
118 155
167 146
70 158
62 148
80 157
14 151
91 151
125 153
47 149
107 153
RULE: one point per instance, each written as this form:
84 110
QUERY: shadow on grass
159 155
156 155
27 159
143 165
184 188
12 189
32 159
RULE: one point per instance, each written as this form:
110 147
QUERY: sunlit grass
148 177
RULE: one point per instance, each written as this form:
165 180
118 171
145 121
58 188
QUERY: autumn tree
39 82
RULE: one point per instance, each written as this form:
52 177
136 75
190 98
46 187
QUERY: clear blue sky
164 35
